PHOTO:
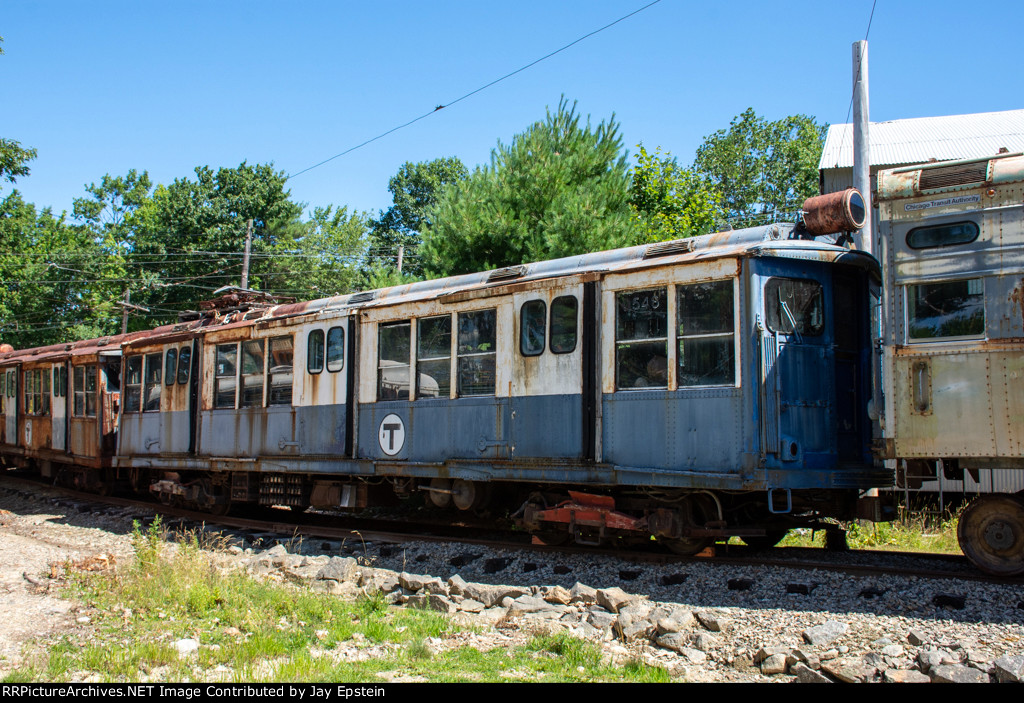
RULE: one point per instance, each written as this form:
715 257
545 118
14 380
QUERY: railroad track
282 526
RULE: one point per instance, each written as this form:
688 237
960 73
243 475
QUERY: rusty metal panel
943 404
84 436
1008 401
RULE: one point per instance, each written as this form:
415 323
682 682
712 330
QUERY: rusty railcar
60 407
687 390
952 251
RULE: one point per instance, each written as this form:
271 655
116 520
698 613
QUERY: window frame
575 321
397 365
621 343
908 320
432 360
130 388
155 361
944 225
170 367
327 355
523 311
467 356
320 349
682 336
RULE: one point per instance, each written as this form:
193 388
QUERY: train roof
775 240
945 176
780 239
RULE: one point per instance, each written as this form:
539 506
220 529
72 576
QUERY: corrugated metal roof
918 140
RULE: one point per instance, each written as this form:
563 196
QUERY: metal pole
862 143
124 313
401 253
245 259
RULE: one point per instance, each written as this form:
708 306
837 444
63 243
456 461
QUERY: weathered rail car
953 309
688 390
60 406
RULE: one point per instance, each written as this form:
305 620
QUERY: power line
473 92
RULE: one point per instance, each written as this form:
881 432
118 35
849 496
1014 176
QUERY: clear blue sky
103 87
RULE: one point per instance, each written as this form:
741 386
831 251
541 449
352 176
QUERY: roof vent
363 297
506 274
677 246
955 175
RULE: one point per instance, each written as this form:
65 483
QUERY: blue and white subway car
686 391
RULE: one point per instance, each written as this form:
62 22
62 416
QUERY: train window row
264 376
533 326
335 350
475 352
705 345
946 310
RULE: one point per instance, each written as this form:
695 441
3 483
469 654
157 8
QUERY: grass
912 531
254 631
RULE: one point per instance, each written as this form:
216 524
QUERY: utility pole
862 143
126 305
401 252
245 259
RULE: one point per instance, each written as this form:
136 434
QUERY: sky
104 87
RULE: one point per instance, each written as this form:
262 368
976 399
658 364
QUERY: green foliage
761 167
14 159
414 191
668 201
560 188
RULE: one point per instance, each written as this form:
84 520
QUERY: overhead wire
471 93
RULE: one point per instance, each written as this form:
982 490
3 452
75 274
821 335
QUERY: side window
184 365
433 357
44 394
942 235
132 385
252 373
225 384
170 366
56 381
90 391
946 310
564 324
393 361
794 305
315 351
641 339
63 381
151 390
280 370
706 345
532 323
335 349
476 352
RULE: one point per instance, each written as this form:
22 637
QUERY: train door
549 418
797 363
59 405
322 375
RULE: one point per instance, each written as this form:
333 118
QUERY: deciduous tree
761 167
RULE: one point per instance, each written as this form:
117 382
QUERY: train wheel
436 497
470 495
991 534
767 541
